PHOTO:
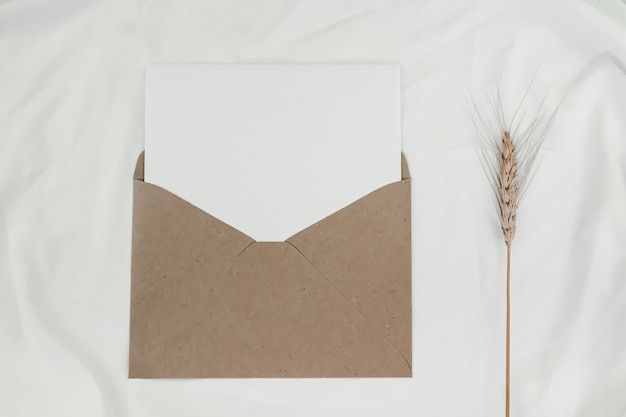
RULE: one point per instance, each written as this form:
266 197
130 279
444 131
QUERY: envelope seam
350 302
239 255
397 350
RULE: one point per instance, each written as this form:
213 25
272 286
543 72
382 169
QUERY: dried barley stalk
508 154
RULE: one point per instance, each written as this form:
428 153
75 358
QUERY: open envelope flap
208 301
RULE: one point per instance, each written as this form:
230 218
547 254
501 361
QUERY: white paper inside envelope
272 149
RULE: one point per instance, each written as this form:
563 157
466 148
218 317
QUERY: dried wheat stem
508 201
508 330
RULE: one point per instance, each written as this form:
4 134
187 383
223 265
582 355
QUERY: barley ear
508 188
508 154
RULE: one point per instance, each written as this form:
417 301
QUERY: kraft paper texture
333 300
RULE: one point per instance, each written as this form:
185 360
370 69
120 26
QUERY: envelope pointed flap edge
154 193
365 251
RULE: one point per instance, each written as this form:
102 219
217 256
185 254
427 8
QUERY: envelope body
333 300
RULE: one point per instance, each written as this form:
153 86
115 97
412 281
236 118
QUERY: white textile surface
71 128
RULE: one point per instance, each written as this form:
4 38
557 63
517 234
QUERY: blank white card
272 149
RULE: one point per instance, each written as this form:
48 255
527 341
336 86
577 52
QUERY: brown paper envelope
334 300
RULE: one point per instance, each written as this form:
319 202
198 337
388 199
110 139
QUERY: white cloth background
71 127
